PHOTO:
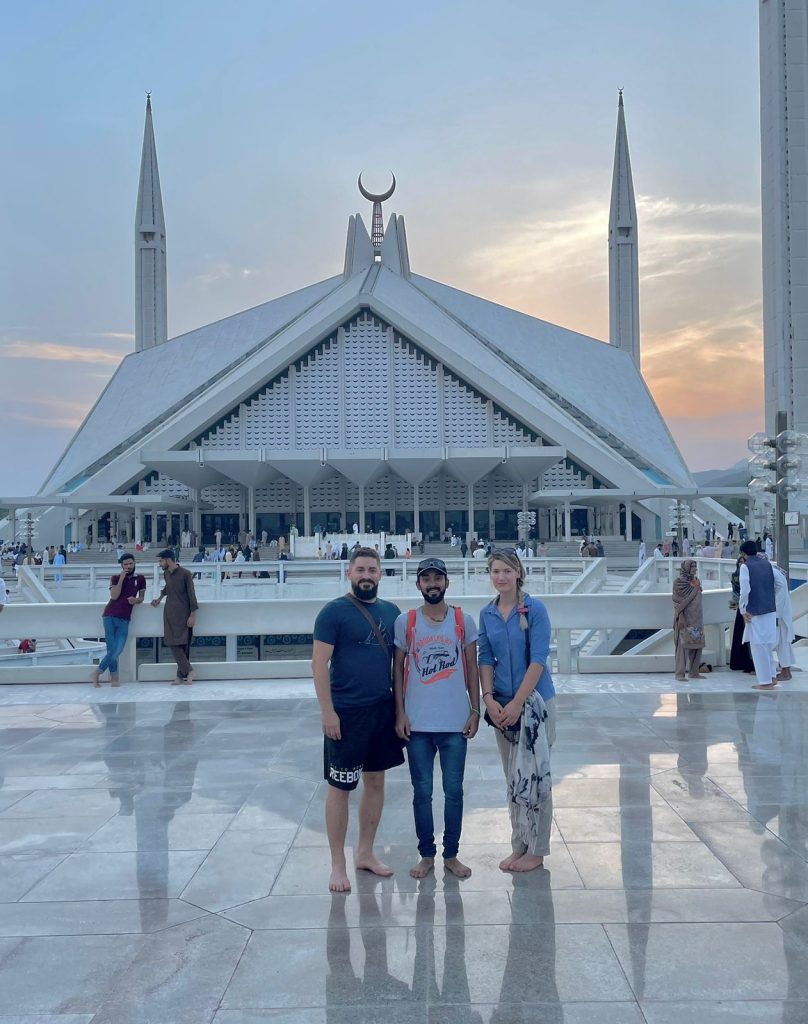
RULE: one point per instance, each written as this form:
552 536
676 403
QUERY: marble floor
164 862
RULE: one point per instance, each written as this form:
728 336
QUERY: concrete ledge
165 671
611 663
45 674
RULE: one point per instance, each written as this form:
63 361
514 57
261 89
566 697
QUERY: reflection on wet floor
168 861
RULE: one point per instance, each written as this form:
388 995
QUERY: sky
497 119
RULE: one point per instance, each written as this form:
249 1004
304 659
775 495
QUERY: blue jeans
115 633
451 749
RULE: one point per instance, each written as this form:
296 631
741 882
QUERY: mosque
377 397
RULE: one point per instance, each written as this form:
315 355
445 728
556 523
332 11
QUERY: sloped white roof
149 383
505 347
599 379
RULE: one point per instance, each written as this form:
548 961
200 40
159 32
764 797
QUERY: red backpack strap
410 636
460 629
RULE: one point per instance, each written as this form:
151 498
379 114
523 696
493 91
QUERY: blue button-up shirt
502 645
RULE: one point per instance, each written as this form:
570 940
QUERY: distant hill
736 476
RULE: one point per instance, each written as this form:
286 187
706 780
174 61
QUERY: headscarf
685 586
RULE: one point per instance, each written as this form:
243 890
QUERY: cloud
55 352
222 270
46 412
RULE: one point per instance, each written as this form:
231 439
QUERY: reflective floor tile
154 829
19 873
333 966
63 804
696 798
81 971
178 976
757 858
537 1013
118 876
645 865
613 824
306 871
628 792
603 906
47 835
545 964
366 910
276 803
709 961
242 866
729 1012
89 917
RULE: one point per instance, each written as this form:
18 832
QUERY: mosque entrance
228 524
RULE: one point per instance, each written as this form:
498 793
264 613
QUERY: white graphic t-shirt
435 695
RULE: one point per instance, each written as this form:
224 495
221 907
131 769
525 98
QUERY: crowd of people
763 629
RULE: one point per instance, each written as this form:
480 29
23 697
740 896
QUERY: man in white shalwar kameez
785 624
757 605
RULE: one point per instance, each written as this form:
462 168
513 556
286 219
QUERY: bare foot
698 675
765 686
114 681
95 677
528 862
338 882
176 681
188 679
423 867
508 863
373 865
457 868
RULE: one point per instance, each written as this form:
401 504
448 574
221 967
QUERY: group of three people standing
431 703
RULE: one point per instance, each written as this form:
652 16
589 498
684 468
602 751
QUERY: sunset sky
498 120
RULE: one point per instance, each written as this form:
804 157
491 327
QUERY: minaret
151 318
624 269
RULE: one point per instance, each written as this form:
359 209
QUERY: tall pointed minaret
151 317
624 268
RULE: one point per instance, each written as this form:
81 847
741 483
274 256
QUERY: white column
74 527
470 530
138 526
251 509
416 510
567 522
361 508
306 511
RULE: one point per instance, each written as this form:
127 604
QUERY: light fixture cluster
776 462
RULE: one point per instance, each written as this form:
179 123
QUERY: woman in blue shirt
513 649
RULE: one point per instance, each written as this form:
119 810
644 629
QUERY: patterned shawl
529 780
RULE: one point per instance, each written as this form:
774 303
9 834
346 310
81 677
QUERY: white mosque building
377 397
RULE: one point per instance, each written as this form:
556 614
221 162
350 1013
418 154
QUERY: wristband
475 711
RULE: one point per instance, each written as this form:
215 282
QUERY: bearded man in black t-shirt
351 665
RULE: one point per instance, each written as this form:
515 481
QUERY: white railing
232 618
221 581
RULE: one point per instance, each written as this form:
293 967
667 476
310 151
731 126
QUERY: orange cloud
39 350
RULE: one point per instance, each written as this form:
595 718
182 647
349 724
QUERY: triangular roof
148 384
545 374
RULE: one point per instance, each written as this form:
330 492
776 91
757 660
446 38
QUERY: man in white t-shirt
437 708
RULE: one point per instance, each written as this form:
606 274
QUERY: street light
774 467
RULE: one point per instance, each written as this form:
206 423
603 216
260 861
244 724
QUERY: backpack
460 632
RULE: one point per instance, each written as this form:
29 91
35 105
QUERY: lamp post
525 521
774 468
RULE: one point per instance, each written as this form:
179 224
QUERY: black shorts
369 744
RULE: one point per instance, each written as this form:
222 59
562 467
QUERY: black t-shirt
360 671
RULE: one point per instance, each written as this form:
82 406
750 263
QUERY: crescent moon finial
381 197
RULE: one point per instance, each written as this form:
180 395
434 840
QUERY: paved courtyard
164 862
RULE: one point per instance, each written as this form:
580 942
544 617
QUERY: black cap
431 565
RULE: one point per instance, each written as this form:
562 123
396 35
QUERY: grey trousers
688 660
540 847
